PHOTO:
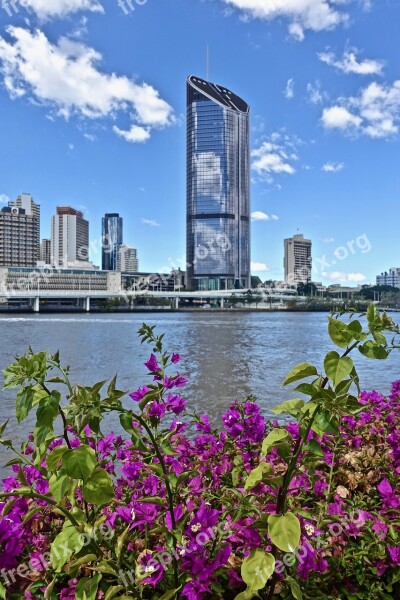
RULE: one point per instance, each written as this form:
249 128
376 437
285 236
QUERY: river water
227 356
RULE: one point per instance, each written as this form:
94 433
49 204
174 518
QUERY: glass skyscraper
218 187
112 240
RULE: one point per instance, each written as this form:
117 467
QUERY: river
227 356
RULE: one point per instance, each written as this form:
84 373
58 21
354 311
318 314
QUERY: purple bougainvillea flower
175 358
157 409
204 424
140 393
152 364
68 593
389 498
177 381
394 554
11 544
152 569
176 404
194 590
178 514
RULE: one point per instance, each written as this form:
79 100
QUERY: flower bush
304 507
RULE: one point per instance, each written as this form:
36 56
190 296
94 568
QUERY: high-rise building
218 187
298 260
391 278
18 238
112 240
69 237
31 208
45 251
127 260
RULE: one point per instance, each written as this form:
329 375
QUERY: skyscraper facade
298 260
18 238
29 207
69 238
112 240
127 260
218 187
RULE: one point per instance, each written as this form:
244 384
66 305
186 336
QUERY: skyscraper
69 237
45 251
18 238
112 240
298 261
32 209
218 187
127 261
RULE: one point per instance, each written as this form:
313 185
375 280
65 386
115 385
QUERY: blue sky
92 114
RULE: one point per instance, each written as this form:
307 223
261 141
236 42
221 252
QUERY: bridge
85 296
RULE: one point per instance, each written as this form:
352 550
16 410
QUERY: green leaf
355 328
315 448
284 531
87 588
339 333
54 457
113 591
67 543
2 592
246 595
294 588
374 351
59 484
257 474
300 372
325 423
80 462
99 488
169 595
276 436
337 369
257 568
24 403
292 407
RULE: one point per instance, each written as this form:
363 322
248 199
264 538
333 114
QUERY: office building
18 238
391 278
298 260
112 240
69 238
218 187
45 252
127 260
31 208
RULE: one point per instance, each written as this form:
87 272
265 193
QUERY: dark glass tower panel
112 240
218 187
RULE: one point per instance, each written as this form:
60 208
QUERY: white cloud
4 199
375 112
332 167
259 267
90 137
71 146
258 215
315 94
48 9
340 118
275 156
151 223
328 240
66 77
289 89
315 15
134 134
349 63
344 277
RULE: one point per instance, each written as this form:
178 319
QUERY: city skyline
324 135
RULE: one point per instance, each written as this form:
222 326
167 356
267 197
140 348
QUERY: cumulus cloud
328 240
67 78
50 9
302 15
338 117
134 134
375 112
4 199
349 63
151 223
258 215
259 267
332 167
275 156
289 89
338 276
